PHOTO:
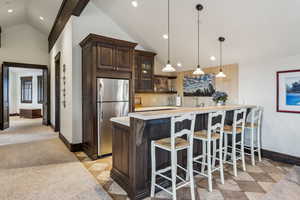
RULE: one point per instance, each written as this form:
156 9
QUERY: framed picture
201 86
288 91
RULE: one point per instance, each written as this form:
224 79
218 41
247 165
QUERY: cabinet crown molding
99 38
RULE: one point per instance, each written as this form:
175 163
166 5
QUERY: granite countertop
159 114
121 120
141 109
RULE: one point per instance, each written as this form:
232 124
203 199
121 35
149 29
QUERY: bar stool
255 124
237 128
207 137
174 144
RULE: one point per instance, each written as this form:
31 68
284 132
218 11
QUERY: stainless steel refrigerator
112 101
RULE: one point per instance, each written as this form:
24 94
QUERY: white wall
15 89
280 131
64 46
22 43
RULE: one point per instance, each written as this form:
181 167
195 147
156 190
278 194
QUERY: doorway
57 93
25 88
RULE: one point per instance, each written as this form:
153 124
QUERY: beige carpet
42 168
25 130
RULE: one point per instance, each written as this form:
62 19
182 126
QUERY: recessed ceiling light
10 10
212 58
134 4
179 64
165 36
41 18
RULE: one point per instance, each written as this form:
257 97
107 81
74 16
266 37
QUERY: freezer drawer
105 112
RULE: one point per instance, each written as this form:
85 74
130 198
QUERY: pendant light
221 73
168 67
198 70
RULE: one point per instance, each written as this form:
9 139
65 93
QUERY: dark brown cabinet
123 59
102 57
105 56
114 57
144 71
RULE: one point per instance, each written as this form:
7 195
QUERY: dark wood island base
132 150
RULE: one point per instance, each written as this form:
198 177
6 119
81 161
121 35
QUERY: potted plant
220 98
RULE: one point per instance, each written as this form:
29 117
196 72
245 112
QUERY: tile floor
250 185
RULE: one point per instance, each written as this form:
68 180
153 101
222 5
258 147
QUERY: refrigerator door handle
99 124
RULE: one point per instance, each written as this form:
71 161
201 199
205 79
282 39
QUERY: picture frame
288 91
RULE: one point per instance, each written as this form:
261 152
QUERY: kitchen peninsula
132 137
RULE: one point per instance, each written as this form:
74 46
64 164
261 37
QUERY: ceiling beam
67 9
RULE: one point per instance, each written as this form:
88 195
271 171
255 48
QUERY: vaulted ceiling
29 11
253 29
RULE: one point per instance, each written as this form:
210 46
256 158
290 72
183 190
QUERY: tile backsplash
153 99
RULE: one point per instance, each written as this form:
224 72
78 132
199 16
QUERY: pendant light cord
169 37
198 22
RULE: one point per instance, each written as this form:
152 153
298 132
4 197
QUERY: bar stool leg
233 157
190 171
214 153
221 161
243 150
204 153
174 172
258 144
209 166
153 162
225 146
252 147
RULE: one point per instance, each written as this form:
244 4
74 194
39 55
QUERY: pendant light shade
168 67
221 74
198 70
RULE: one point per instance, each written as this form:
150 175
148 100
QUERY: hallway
35 164
25 130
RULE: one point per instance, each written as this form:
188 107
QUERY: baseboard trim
14 114
280 157
71 147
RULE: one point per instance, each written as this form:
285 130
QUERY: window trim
26 78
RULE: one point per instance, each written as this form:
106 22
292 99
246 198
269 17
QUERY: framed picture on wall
288 91
199 86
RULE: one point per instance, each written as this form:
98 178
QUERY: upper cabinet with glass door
144 71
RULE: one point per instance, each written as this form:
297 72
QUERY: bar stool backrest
219 125
256 116
241 121
189 132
